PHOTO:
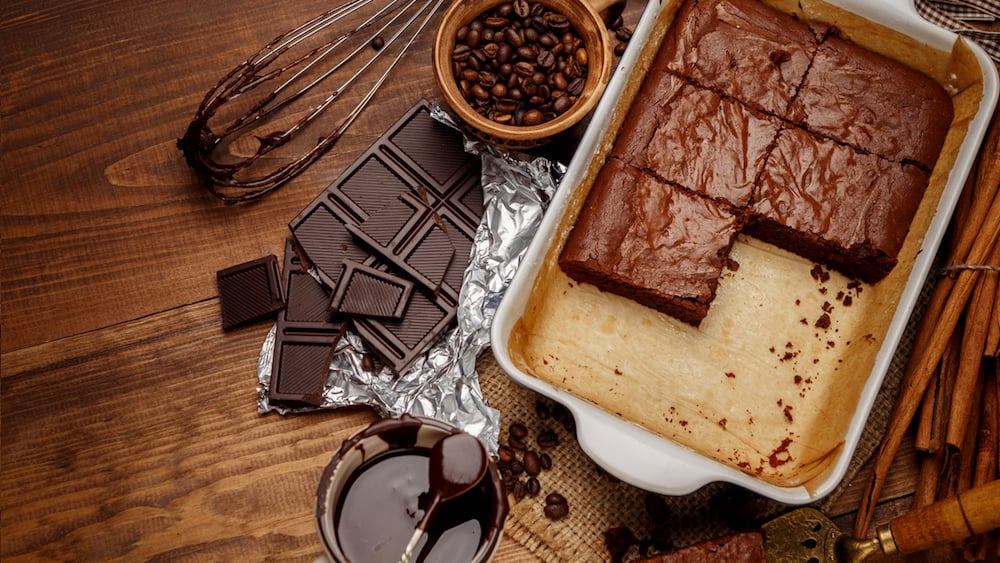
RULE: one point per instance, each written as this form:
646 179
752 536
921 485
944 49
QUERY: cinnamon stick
974 242
965 401
922 364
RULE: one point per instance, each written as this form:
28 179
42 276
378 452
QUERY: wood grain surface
129 423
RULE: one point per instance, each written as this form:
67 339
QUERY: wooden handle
972 512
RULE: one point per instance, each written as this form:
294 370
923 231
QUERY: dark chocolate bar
410 206
305 337
249 291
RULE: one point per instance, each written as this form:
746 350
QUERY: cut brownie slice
652 242
873 103
744 547
702 142
834 205
719 44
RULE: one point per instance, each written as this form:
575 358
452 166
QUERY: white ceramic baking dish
652 461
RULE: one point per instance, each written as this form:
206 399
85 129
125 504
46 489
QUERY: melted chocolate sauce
385 500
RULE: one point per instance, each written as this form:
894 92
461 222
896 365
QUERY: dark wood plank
102 221
143 441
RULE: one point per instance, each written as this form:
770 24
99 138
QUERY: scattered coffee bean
547 439
533 486
556 506
546 461
505 455
539 55
518 430
532 463
378 42
519 490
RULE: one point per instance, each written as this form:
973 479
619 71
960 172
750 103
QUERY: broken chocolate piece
369 292
408 235
398 343
249 291
305 337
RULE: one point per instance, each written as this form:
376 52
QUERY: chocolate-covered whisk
262 91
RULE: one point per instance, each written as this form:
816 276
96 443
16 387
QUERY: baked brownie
650 241
693 137
719 44
835 205
873 103
744 547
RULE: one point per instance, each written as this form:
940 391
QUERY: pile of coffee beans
525 456
520 63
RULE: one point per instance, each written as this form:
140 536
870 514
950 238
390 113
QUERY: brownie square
719 44
835 205
701 141
873 103
652 242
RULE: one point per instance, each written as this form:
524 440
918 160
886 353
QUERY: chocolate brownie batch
753 121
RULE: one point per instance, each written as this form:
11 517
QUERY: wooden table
129 422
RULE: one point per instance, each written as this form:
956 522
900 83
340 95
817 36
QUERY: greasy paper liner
755 396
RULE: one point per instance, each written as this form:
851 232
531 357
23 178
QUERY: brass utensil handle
972 512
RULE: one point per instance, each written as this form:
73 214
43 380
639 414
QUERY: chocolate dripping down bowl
839 406
585 18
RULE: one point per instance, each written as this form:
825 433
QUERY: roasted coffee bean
479 92
533 116
526 53
524 69
516 443
532 486
620 48
516 467
547 439
623 34
519 430
532 463
506 105
505 455
519 490
556 506
575 88
487 79
521 8
472 38
545 460
562 104
378 42
461 52
495 22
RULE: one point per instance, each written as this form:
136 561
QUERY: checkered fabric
970 18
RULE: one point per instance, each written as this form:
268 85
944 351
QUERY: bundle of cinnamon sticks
949 389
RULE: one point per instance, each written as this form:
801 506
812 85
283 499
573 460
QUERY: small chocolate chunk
249 291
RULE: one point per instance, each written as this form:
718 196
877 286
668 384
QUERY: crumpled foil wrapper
444 384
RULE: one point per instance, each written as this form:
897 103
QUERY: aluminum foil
444 383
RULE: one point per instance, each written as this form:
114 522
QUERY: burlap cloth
599 502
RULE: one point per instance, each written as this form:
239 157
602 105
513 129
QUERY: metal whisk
285 70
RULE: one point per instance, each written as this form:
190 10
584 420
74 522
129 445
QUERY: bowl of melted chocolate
376 489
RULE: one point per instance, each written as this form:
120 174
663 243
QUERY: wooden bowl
588 25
